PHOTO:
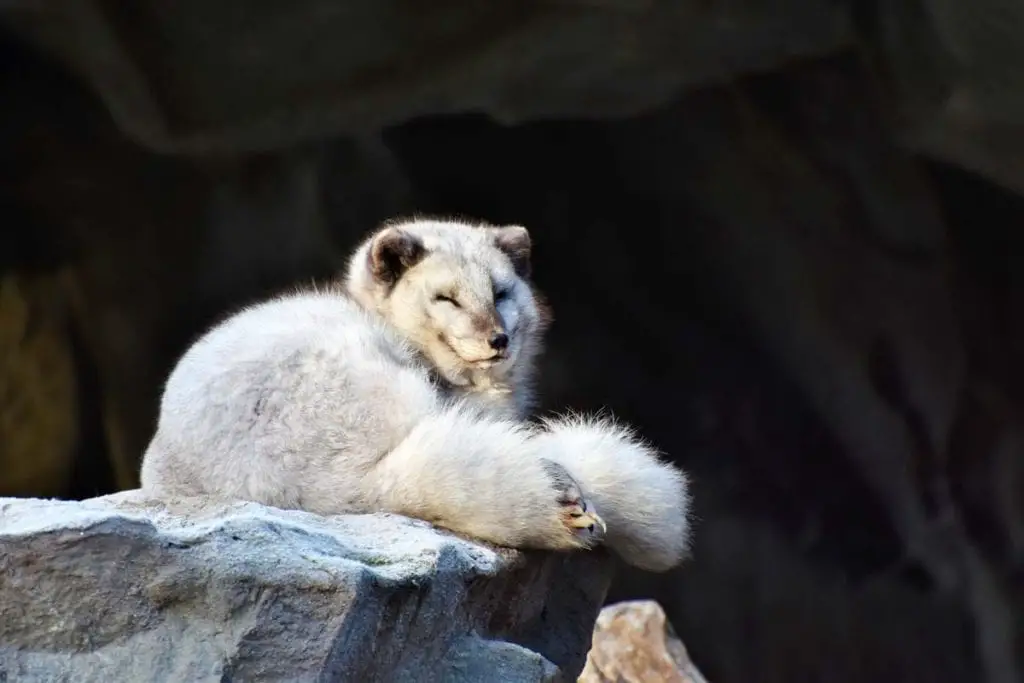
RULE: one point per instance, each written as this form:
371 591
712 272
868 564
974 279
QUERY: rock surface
122 588
634 643
197 77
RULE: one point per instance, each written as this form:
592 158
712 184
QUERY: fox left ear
514 241
392 252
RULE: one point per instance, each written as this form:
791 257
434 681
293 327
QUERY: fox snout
492 331
494 334
498 340
488 341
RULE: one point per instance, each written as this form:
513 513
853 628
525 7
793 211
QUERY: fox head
459 292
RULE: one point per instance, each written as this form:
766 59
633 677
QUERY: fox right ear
515 241
392 252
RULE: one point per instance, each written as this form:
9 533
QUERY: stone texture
194 76
39 387
956 72
633 643
124 588
198 77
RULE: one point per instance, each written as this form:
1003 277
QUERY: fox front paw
578 515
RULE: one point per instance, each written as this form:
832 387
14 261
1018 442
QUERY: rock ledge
126 588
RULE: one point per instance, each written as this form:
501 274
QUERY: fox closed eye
501 295
446 299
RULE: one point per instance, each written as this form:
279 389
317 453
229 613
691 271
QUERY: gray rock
122 588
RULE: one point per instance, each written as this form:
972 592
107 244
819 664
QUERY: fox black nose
498 341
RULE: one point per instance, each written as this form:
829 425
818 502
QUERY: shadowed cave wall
822 325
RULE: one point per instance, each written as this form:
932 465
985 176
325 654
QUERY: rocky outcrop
194 77
767 273
633 643
123 588
237 76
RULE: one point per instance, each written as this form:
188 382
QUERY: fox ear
392 252
514 241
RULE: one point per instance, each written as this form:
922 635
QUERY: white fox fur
407 393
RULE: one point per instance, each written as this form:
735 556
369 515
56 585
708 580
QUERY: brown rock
632 643
38 389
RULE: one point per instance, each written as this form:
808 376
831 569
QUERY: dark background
782 239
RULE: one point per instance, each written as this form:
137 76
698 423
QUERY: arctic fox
404 389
